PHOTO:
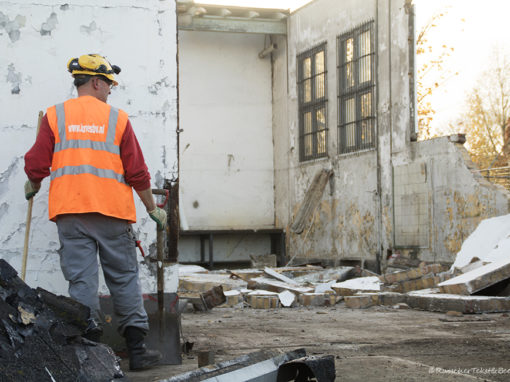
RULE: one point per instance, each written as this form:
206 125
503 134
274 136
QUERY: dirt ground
374 344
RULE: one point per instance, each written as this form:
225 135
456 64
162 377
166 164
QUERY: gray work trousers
82 236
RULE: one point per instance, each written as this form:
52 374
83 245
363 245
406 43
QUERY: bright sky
473 40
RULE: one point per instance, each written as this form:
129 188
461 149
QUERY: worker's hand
159 216
31 189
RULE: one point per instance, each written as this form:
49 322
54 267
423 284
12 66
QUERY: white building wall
226 147
36 40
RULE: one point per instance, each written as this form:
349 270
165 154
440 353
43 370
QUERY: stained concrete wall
36 40
364 214
226 148
459 197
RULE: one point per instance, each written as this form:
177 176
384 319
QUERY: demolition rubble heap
40 337
478 281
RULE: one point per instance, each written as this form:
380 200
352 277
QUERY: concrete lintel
233 25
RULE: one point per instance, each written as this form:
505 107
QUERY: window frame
313 106
364 135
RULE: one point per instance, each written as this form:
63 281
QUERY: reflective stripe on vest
108 146
87 169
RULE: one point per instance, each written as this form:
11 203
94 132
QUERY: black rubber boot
139 356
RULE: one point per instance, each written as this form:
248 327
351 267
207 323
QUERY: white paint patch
490 242
360 283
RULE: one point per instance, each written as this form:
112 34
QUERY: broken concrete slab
191 269
463 304
489 242
276 286
477 279
245 274
412 274
430 280
360 284
206 281
337 274
278 276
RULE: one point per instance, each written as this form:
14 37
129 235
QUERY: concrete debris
478 279
474 284
287 298
202 282
276 286
278 276
337 274
360 284
45 339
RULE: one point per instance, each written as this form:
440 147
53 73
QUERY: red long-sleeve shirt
38 159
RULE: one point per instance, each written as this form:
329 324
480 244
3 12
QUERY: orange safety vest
86 172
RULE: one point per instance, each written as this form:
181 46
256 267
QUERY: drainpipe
413 117
380 252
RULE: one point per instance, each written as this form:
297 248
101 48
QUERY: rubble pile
41 337
477 282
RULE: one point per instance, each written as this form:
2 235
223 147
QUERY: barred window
356 89
313 132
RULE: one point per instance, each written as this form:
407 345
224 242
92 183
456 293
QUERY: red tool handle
158 191
167 194
139 245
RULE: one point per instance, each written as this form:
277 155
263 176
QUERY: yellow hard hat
93 64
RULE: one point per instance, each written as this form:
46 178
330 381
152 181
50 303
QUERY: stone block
264 302
477 279
361 301
314 299
463 304
429 280
412 274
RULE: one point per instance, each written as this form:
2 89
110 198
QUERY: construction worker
94 160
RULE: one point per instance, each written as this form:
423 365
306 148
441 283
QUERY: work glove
31 189
159 216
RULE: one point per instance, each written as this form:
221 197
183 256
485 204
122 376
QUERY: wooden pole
29 217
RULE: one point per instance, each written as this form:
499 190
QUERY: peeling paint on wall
155 87
13 78
50 25
88 29
12 27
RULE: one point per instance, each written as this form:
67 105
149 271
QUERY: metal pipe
267 51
